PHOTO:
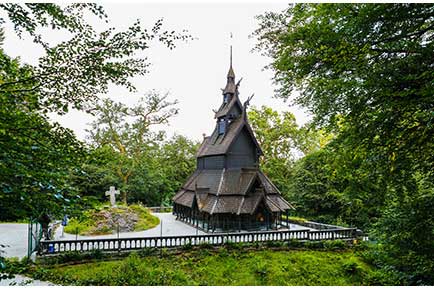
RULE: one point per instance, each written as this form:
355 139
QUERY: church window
222 126
226 98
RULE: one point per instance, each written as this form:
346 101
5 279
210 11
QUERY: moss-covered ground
203 266
94 222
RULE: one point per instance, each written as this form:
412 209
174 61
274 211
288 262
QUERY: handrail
134 243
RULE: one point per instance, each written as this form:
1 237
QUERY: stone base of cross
112 193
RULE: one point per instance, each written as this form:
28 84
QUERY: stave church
228 191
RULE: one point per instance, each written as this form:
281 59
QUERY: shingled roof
226 107
230 191
218 144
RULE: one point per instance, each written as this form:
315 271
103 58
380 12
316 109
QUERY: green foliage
205 245
295 244
351 266
187 246
335 244
295 219
41 161
282 140
146 252
262 267
146 219
275 244
367 66
35 155
338 186
126 130
74 72
160 173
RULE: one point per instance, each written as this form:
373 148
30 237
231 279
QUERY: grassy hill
219 267
105 220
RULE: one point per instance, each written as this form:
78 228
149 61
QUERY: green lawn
222 267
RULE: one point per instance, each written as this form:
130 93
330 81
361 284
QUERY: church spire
230 84
231 73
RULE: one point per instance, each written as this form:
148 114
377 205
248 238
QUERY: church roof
218 144
230 191
226 107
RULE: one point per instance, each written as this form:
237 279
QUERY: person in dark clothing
44 220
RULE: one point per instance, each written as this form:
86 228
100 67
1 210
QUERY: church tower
228 191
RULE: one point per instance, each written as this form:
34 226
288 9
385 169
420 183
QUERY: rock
109 220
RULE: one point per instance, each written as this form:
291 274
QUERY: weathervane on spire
231 49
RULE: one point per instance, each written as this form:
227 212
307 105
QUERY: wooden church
228 191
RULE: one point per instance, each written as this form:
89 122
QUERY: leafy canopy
369 65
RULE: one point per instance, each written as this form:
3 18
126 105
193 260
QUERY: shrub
187 246
205 245
96 254
78 227
314 244
384 276
295 243
296 219
146 252
232 245
274 244
70 256
350 267
335 244
262 270
146 219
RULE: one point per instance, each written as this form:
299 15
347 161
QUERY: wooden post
287 219
239 223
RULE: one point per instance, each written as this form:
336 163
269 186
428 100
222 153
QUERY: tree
127 130
177 157
37 156
282 142
72 73
370 64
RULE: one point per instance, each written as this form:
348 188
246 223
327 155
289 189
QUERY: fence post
119 243
29 239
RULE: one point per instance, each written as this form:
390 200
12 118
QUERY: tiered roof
230 191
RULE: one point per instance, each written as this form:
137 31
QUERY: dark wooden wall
242 152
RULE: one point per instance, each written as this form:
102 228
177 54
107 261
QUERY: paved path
15 237
24 281
168 222
170 226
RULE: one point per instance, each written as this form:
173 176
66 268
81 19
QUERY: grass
146 219
295 219
19 221
222 267
86 224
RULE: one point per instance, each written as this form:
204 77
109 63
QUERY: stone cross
112 193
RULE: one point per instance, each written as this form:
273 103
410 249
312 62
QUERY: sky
195 71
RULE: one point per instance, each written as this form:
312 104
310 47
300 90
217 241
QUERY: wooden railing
125 244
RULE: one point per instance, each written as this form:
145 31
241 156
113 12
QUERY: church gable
242 152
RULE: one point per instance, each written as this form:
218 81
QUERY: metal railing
137 243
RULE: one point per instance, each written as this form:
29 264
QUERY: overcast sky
193 72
